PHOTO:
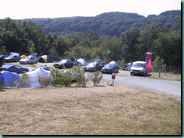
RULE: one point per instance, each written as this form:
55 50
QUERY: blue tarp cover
9 78
1 79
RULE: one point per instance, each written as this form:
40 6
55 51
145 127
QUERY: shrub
23 80
157 64
61 78
79 75
97 78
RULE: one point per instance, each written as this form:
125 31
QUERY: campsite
39 107
90 68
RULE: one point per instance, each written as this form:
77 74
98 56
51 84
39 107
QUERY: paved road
163 86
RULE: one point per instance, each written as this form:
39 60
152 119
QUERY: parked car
91 67
138 68
14 68
127 66
100 64
52 58
81 62
110 68
12 57
2 56
31 59
65 63
43 59
94 66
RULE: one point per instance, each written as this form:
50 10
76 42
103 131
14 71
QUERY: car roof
7 66
139 62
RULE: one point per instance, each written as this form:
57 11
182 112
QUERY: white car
138 68
31 59
81 61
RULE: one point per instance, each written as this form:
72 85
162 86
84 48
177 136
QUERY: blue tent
1 79
9 78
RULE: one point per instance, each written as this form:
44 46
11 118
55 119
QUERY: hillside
111 23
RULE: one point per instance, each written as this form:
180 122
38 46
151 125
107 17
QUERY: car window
139 65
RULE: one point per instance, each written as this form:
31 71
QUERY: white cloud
64 8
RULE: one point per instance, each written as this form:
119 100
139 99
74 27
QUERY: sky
21 9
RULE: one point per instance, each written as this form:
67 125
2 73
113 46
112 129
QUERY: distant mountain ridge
111 23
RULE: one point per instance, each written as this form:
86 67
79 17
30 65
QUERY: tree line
25 37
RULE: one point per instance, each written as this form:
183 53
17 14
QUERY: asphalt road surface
162 86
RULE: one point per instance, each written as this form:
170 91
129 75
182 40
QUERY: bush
23 80
68 76
80 77
121 62
60 79
157 64
97 78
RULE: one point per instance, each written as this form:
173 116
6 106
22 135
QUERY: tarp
10 79
36 79
44 76
1 80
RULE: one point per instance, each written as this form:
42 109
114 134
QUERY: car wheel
131 73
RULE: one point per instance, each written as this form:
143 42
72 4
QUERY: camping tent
10 79
36 79
1 80
44 76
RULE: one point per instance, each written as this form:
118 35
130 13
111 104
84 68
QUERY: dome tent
44 76
1 80
10 79
36 79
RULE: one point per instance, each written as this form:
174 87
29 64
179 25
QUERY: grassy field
99 110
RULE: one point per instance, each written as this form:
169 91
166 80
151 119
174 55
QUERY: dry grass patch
155 75
100 110
166 76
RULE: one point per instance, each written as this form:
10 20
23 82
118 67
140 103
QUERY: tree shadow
2 90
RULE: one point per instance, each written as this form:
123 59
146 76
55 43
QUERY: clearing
92 110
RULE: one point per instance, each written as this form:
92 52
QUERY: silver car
138 68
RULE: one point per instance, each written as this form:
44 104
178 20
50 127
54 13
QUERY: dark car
127 66
100 64
65 63
2 59
48 58
94 66
12 57
14 68
110 68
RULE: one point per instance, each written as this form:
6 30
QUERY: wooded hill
112 23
